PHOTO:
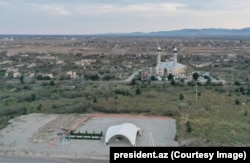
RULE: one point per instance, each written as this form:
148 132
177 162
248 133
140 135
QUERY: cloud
100 16
52 10
218 5
142 9
3 5
155 7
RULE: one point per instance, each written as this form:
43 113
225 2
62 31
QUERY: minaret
158 56
175 56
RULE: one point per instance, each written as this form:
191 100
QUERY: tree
39 107
181 96
94 77
133 82
237 102
138 91
153 78
170 77
237 83
195 77
107 77
33 97
52 83
39 77
209 81
173 82
24 111
95 100
22 80
188 127
62 77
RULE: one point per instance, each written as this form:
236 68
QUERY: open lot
38 134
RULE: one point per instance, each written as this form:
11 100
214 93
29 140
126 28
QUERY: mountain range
193 33
206 32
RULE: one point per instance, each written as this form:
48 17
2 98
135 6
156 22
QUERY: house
14 71
17 74
85 62
71 74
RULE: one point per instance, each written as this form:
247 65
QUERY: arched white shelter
127 130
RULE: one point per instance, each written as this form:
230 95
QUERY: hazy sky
104 16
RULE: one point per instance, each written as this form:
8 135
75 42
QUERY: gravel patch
39 134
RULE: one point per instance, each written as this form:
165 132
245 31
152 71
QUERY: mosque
169 67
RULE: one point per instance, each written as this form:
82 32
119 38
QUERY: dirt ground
41 134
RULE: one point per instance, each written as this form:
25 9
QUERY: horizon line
119 33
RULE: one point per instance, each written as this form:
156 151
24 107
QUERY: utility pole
196 92
232 77
248 82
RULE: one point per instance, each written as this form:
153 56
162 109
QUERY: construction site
80 135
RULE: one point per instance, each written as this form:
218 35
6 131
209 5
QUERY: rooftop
170 64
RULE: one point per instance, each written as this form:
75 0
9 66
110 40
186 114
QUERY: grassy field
214 119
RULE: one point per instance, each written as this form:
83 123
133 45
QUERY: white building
170 67
85 62
17 74
126 130
47 75
14 71
71 74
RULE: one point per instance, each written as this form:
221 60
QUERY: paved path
129 79
9 159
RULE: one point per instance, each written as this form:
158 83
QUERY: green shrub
181 96
170 113
138 91
237 102
188 127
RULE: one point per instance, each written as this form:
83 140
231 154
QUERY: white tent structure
127 130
